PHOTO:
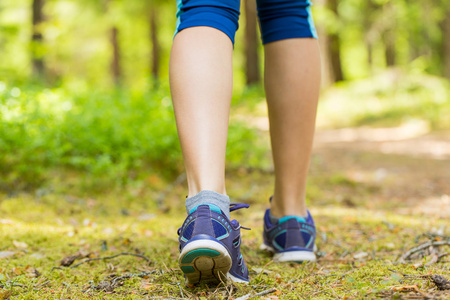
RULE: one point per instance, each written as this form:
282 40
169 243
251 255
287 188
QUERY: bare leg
292 82
201 81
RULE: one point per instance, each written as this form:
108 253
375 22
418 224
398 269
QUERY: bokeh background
84 96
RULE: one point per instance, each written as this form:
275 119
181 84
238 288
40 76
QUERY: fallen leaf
18 271
4 254
406 288
390 245
417 265
146 285
146 217
37 255
441 282
6 222
108 230
67 261
4 294
32 272
278 279
360 255
20 245
260 270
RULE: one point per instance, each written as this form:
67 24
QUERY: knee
220 14
285 19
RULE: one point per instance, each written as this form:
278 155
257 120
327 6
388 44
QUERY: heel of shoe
205 261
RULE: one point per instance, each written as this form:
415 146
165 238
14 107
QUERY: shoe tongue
212 207
287 218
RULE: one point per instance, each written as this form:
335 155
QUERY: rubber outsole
290 256
205 261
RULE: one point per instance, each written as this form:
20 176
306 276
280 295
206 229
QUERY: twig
431 236
13 285
109 286
263 293
110 257
422 247
443 255
42 284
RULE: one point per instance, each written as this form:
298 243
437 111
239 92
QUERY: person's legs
292 82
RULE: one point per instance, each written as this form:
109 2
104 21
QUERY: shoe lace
236 206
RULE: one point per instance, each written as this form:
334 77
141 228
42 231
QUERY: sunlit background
84 84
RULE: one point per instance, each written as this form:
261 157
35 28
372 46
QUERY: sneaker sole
205 261
290 256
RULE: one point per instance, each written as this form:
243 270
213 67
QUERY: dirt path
410 170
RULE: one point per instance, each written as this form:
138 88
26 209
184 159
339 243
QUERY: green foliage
117 134
388 99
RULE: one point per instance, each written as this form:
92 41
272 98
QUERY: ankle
209 197
288 206
195 189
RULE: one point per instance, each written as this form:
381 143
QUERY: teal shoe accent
212 207
285 219
188 258
187 269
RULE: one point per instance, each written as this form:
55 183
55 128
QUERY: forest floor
374 194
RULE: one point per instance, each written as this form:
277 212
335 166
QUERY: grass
358 247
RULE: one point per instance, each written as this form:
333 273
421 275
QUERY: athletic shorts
279 19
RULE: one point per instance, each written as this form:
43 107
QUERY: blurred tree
446 42
369 34
389 34
155 44
37 52
116 69
115 62
251 43
334 46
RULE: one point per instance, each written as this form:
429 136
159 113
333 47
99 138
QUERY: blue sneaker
210 246
291 239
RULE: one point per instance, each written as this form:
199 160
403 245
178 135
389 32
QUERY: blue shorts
279 19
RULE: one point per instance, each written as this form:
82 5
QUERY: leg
292 81
292 77
201 85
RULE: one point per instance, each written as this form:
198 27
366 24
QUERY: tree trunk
369 37
37 39
334 47
389 36
115 62
251 43
389 44
156 47
446 44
